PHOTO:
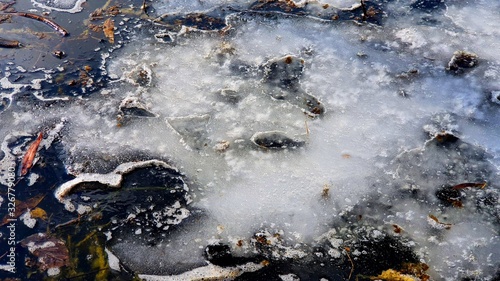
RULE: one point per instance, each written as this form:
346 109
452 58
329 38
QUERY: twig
4 6
363 8
352 263
144 7
4 254
6 43
45 20
75 220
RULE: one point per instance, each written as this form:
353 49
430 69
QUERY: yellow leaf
393 275
39 213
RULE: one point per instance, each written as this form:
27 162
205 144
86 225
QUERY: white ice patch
53 271
209 272
70 6
82 209
113 261
32 178
289 277
27 219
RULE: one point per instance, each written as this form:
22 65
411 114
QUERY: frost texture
396 131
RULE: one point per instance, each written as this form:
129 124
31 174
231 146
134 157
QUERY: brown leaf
51 252
30 155
397 228
109 30
21 207
433 220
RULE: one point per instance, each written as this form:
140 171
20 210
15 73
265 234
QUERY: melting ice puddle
375 111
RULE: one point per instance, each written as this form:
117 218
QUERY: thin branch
45 20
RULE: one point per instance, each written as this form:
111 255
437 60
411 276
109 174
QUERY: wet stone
275 140
462 60
220 254
445 138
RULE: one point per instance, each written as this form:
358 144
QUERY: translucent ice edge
112 179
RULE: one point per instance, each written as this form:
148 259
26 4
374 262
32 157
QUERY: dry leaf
51 252
39 213
30 155
21 207
109 30
393 275
434 222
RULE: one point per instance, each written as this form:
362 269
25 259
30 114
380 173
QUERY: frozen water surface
358 124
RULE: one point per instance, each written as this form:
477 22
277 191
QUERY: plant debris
45 20
452 195
435 223
22 207
28 158
39 213
462 60
51 252
470 184
6 43
109 30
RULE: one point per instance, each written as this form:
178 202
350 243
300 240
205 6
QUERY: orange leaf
109 30
30 155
